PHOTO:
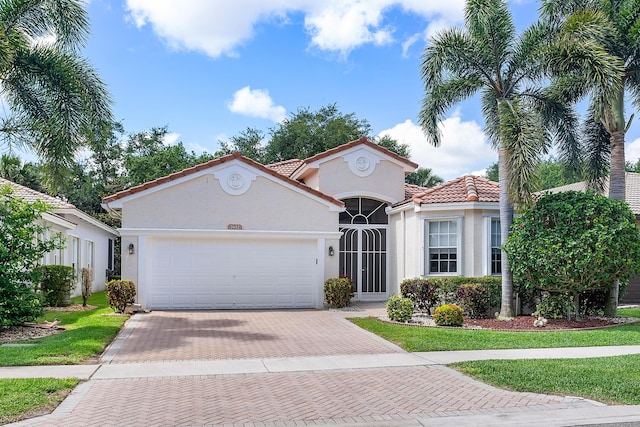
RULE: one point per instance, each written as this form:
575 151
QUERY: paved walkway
262 370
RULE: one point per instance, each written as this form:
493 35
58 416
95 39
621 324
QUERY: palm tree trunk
506 219
617 190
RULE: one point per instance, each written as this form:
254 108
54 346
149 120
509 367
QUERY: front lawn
26 397
86 336
612 380
417 338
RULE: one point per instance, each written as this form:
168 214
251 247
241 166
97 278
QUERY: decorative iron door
363 258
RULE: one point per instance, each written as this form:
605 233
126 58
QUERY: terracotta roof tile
410 190
215 162
31 196
468 188
286 167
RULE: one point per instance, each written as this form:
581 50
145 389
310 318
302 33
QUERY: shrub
422 292
554 306
399 309
338 292
20 255
573 242
56 284
120 294
475 298
448 315
87 283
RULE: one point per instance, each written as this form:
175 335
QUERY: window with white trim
495 253
90 254
442 246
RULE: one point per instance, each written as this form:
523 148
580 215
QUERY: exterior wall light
131 249
331 251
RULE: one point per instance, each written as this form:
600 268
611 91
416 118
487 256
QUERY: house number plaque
234 227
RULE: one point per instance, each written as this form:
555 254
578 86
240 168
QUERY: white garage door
219 274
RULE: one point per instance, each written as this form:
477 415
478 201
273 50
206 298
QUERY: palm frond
598 151
437 101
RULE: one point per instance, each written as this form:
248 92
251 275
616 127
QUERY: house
89 242
233 233
632 197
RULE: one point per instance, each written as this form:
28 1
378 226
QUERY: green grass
612 380
87 334
24 397
416 338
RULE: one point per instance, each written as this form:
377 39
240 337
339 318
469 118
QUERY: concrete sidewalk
301 364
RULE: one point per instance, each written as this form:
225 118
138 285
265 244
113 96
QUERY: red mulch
525 323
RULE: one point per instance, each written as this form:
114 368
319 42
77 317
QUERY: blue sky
208 69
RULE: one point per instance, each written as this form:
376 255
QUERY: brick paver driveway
196 335
366 395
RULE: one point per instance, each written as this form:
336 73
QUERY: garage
218 273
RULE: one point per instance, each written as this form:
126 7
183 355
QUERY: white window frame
76 261
426 247
486 247
91 254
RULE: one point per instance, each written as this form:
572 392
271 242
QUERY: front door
363 247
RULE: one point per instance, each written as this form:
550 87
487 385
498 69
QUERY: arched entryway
363 247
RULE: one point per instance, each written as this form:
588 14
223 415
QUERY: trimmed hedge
120 294
448 315
338 292
56 284
427 293
399 309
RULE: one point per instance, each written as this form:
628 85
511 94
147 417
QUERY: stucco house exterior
89 242
233 233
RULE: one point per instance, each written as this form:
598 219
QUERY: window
495 251
110 255
75 255
442 253
90 255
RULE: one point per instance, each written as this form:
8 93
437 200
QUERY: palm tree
594 36
53 94
423 177
487 56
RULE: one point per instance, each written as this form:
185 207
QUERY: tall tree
307 133
487 56
423 177
249 143
52 92
596 54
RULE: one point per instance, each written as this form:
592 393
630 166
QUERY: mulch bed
525 323
20 333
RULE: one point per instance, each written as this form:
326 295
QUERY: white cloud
256 103
218 28
632 151
170 138
462 150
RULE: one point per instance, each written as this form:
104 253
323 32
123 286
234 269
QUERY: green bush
399 309
56 284
120 294
572 242
338 292
475 298
448 315
422 292
554 306
20 256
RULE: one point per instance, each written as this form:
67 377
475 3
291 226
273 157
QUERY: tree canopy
53 93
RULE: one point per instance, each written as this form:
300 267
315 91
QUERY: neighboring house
233 233
89 242
632 197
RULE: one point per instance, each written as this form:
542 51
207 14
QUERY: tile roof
468 188
31 196
286 167
212 163
411 190
632 192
